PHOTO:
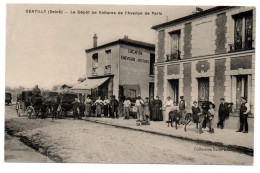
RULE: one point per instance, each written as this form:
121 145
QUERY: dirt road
81 141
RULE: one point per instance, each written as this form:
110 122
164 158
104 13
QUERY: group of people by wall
207 108
154 109
141 109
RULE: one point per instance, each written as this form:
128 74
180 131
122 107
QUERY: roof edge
192 16
126 42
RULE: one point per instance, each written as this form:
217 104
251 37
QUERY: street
81 141
15 150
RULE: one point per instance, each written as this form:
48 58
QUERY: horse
174 116
196 118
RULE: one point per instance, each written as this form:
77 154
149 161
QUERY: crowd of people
154 109
142 109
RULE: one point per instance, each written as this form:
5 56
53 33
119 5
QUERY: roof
193 16
90 83
125 41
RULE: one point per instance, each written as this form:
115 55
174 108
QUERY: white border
26 167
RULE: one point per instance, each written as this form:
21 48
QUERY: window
95 64
152 61
108 62
243 29
175 45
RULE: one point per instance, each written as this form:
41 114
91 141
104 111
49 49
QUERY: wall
101 60
219 81
187 84
101 64
135 67
221 30
207 35
160 53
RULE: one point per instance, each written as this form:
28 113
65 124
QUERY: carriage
51 103
29 104
66 104
8 98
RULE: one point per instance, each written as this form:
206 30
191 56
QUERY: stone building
124 67
207 55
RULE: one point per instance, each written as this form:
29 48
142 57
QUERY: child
175 107
211 113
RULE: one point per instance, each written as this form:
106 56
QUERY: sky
49 49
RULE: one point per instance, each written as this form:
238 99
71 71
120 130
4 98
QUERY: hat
222 98
195 102
181 97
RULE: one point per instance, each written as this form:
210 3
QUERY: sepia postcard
130 84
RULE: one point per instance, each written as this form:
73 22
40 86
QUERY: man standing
139 105
127 105
244 110
114 107
182 107
223 113
106 105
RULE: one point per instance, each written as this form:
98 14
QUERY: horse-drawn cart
8 98
29 104
66 104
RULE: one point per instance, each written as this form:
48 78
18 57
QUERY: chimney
95 40
126 37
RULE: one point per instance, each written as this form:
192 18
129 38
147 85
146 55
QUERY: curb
235 148
44 151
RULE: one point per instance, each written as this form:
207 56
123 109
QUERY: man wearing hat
244 110
114 107
223 113
182 106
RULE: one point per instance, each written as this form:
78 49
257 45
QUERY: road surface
81 141
15 150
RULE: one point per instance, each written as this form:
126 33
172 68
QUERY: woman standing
168 106
88 103
146 112
157 111
99 104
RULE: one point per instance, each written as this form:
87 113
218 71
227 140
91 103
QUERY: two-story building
207 55
124 67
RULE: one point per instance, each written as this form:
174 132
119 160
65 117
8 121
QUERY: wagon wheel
30 112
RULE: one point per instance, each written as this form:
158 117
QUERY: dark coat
223 110
114 105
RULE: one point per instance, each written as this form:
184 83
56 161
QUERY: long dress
168 107
88 103
157 112
99 104
146 109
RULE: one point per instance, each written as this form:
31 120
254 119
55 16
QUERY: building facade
206 56
128 66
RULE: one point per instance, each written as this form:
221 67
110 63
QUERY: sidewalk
223 138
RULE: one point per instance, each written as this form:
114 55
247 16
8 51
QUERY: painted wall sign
138 52
134 59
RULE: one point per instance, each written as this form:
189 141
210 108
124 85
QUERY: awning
90 84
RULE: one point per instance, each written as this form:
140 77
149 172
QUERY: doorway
203 89
241 89
174 89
